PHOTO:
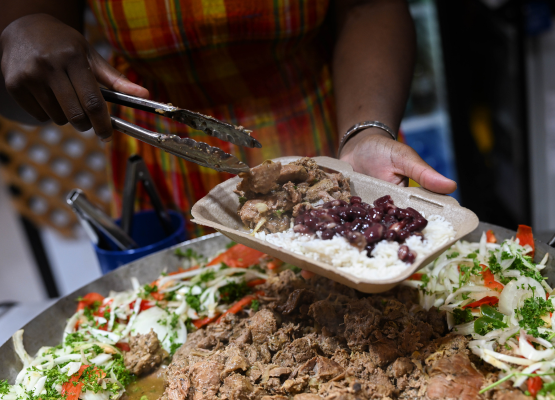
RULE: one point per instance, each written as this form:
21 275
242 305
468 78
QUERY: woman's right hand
53 73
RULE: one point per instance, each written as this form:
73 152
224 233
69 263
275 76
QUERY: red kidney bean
311 222
376 214
328 234
402 235
359 224
413 212
389 220
326 218
341 229
369 248
320 226
374 233
382 201
331 225
357 239
302 229
390 236
356 212
398 226
355 200
299 219
402 214
406 255
417 225
336 218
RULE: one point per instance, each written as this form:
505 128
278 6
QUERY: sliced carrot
307 274
415 277
73 387
489 279
238 256
490 237
157 296
88 300
525 237
256 282
199 323
489 300
234 309
275 264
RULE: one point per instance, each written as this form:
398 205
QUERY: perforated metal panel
42 164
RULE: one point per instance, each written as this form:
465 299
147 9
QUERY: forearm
373 62
69 12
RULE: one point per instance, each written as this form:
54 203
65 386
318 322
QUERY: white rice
383 265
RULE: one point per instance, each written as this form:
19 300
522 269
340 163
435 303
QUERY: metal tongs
94 220
186 148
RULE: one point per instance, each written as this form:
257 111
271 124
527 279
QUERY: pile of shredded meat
271 193
317 339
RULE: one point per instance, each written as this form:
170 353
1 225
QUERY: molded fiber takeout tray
218 210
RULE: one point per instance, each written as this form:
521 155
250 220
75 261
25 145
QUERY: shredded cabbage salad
89 364
496 293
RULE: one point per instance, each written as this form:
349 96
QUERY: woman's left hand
373 152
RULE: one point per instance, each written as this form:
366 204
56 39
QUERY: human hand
373 152
53 73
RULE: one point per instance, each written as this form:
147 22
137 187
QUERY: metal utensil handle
138 172
79 202
135 102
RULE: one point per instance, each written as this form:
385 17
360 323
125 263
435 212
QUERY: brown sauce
149 387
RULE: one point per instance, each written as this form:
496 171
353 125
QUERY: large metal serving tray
47 328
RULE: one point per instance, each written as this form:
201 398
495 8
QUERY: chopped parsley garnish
74 337
242 199
472 255
462 316
255 305
207 276
233 291
230 245
278 213
193 301
453 255
531 312
170 296
467 271
4 388
147 289
174 320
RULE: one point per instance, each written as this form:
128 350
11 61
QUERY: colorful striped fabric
262 64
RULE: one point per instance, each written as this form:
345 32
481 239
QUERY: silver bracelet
361 126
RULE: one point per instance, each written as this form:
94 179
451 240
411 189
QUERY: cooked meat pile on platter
271 193
317 339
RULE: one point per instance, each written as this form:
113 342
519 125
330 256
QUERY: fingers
413 166
87 105
111 78
47 100
28 102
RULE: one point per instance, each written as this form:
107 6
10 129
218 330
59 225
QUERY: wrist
368 134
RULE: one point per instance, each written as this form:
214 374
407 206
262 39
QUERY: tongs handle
137 171
138 103
88 213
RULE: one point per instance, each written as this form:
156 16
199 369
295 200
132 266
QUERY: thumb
113 79
422 173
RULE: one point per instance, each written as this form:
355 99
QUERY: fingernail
106 140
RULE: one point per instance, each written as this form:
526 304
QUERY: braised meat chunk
145 354
270 193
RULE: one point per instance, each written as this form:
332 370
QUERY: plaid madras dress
262 64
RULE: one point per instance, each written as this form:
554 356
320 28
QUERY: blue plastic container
149 235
